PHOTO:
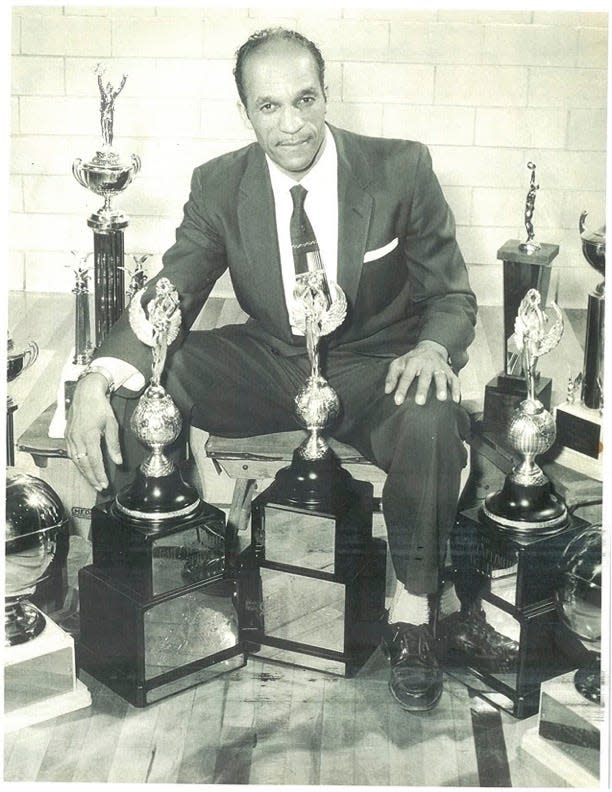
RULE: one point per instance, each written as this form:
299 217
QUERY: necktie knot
298 195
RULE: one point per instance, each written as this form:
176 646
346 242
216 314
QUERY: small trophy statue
137 276
106 174
529 246
158 490
526 505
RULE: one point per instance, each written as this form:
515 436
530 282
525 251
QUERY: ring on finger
80 456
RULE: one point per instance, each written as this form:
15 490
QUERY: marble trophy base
579 440
65 390
503 394
40 679
567 738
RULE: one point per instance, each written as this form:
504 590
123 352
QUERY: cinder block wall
486 90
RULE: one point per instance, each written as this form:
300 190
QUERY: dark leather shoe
468 637
416 677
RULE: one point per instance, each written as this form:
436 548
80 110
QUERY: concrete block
223 35
587 130
517 127
15 273
16 194
221 119
394 15
81 78
577 201
482 16
53 194
334 80
343 39
38 10
479 244
59 116
158 38
430 124
530 45
567 87
15 34
570 18
492 86
38 76
499 207
365 119
592 48
141 117
487 284
48 271
197 79
472 166
44 35
154 196
155 234
388 82
42 231
460 201
436 42
14 115
571 170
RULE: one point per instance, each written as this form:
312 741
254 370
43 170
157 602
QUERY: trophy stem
593 349
109 281
82 349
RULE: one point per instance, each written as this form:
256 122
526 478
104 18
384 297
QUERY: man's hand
91 418
427 361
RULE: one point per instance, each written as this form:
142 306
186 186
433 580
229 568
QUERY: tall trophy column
526 265
107 174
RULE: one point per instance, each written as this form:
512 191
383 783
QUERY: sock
449 601
409 608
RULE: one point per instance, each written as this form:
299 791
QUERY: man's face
285 105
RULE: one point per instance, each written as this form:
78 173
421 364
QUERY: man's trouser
228 383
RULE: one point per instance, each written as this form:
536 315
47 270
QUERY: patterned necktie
306 255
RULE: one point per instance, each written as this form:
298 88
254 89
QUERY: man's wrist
434 346
104 373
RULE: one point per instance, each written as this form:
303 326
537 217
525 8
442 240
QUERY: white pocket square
371 255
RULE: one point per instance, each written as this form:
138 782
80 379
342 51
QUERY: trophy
157 604
330 571
579 418
17 361
526 505
39 669
527 265
106 175
137 275
81 356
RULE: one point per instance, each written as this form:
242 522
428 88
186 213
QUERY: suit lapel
354 211
257 225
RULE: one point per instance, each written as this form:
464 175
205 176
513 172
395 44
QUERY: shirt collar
325 167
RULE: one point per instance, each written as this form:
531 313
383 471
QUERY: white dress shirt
321 206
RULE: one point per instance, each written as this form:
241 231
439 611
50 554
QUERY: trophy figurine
137 275
526 505
106 175
529 246
158 490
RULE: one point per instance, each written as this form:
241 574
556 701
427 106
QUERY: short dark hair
266 36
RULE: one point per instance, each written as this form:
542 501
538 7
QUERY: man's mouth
293 143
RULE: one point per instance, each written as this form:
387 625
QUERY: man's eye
307 100
267 107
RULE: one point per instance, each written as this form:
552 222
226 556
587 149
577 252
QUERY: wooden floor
267 723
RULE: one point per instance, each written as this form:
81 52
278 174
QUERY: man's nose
290 120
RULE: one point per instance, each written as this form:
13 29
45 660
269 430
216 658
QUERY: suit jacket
398 260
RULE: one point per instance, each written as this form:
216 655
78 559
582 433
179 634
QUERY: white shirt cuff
124 374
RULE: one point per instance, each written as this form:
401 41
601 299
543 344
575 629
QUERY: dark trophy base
525 509
154 498
147 649
587 681
313 483
504 393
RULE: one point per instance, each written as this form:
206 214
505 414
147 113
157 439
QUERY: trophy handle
30 354
77 172
136 164
581 223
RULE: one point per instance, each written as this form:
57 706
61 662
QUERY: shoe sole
417 707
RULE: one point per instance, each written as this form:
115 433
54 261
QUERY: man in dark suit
387 236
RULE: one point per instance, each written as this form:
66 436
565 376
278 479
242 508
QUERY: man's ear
244 115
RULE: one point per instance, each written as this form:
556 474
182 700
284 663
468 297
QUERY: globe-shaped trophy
579 601
314 475
158 490
526 504
35 517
